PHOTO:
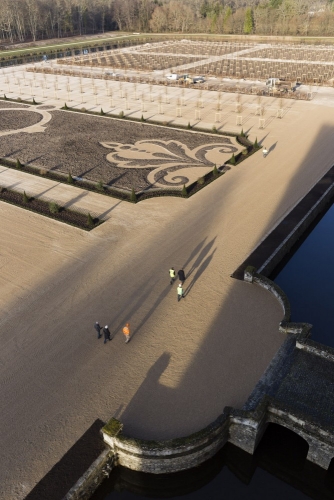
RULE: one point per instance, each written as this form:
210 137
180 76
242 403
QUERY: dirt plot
71 143
22 119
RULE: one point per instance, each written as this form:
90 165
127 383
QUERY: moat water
278 470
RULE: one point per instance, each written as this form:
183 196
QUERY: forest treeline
23 20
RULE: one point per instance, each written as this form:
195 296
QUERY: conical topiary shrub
133 196
256 143
232 160
70 179
184 190
18 164
215 171
26 198
90 221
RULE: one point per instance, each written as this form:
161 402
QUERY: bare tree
32 9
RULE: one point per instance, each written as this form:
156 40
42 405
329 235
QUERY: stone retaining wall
285 246
93 477
164 457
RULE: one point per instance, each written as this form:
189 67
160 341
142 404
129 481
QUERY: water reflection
308 280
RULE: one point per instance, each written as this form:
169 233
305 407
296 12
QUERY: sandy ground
186 361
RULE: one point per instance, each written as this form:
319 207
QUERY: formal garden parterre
118 153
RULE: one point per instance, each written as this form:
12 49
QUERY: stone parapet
162 457
93 477
312 347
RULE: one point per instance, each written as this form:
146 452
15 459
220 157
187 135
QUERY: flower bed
50 209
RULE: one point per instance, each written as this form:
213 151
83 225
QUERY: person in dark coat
98 328
106 334
181 275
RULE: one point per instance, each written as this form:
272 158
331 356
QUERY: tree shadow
261 142
74 200
9 155
45 191
82 174
110 210
32 160
12 186
115 179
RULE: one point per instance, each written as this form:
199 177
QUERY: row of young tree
22 20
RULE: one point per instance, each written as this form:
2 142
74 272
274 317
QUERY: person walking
172 275
264 151
98 328
126 331
180 293
106 334
181 275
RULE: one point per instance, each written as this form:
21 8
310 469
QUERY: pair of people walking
180 273
106 332
182 278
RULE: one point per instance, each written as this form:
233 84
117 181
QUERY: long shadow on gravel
60 479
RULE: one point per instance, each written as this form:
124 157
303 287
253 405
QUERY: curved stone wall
162 457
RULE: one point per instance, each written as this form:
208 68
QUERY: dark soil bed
22 119
42 207
71 143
